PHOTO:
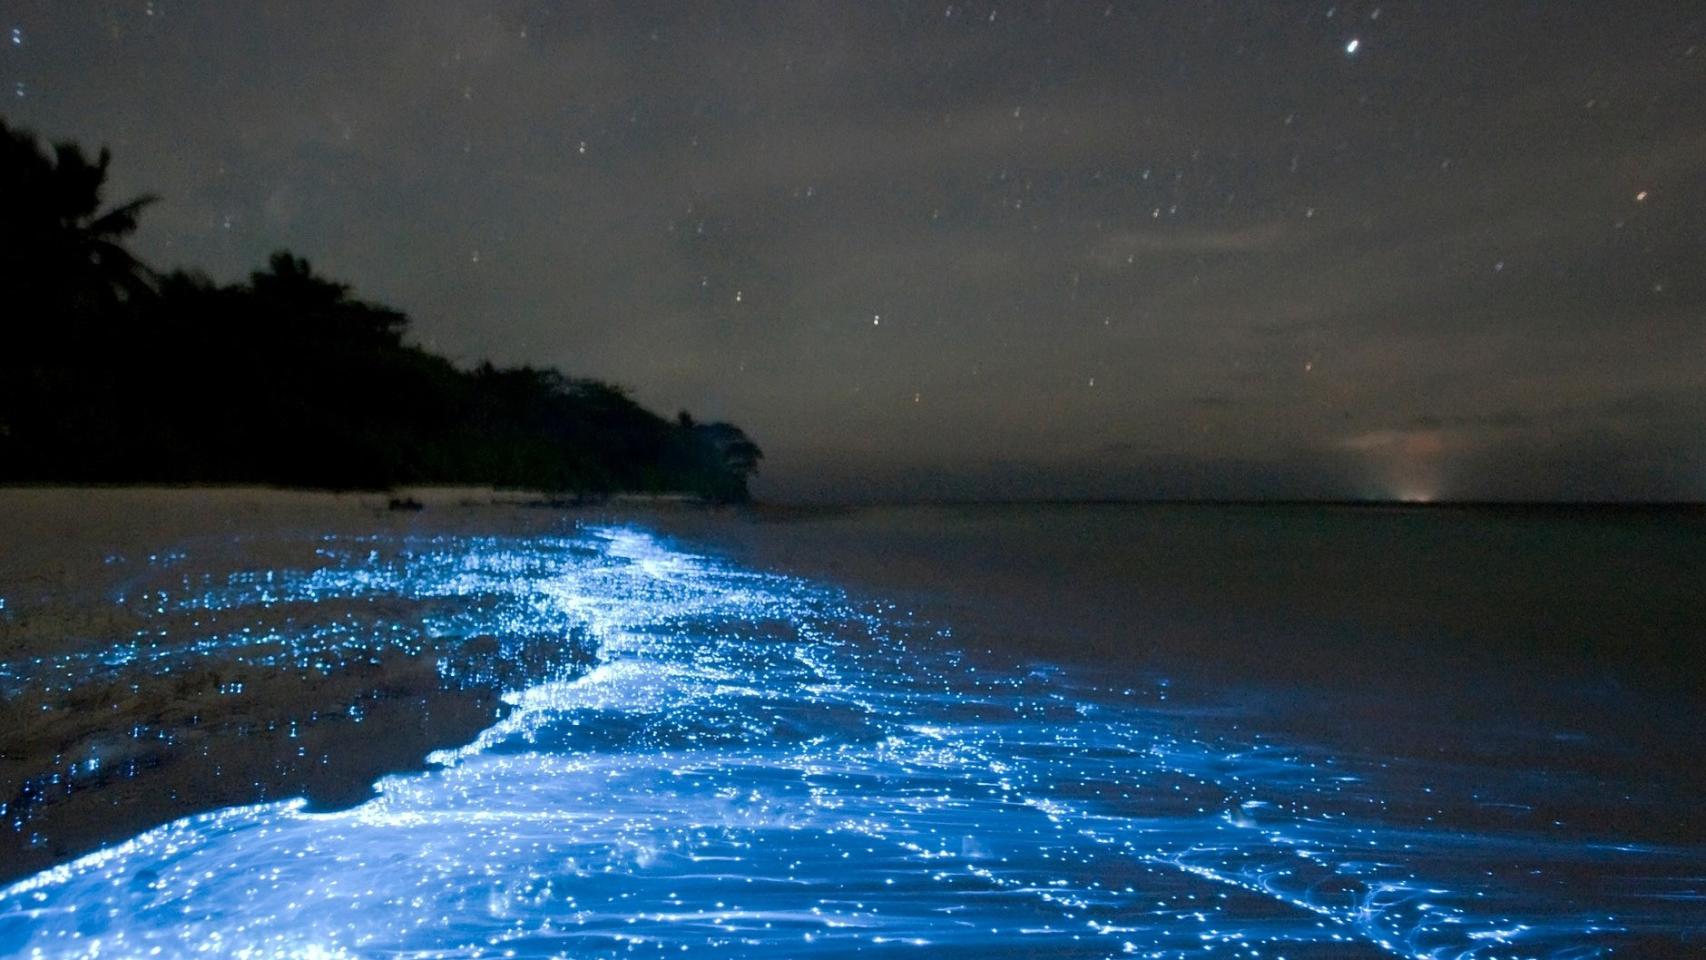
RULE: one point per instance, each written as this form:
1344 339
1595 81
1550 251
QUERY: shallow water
758 765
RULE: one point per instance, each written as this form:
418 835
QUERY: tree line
113 372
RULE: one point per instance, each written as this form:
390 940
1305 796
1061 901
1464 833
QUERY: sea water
754 764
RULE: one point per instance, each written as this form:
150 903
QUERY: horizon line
1351 502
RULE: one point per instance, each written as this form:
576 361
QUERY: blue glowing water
757 766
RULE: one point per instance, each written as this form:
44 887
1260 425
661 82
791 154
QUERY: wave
756 765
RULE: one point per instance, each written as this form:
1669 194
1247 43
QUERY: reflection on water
756 766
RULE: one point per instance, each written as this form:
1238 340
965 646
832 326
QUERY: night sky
973 249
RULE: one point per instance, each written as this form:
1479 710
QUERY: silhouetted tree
112 373
721 457
289 288
737 459
60 250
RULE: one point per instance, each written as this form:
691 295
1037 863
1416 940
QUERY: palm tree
59 249
296 294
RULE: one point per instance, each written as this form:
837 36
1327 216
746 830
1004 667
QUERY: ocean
272 724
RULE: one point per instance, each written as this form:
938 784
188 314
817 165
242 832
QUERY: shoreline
153 669
485 494
1409 644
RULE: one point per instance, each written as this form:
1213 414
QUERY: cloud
1123 246
1419 443
1269 261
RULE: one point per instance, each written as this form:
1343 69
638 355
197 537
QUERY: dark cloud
1043 249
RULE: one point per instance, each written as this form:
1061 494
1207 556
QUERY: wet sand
284 694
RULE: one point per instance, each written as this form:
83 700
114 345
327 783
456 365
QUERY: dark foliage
110 372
